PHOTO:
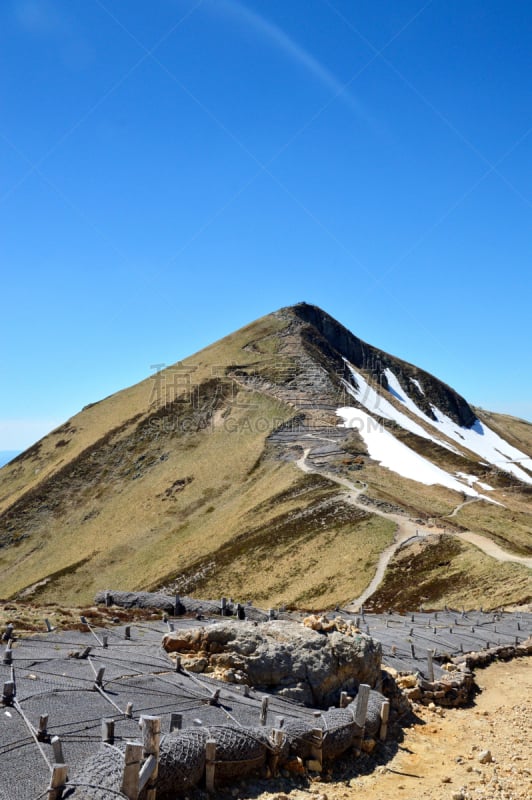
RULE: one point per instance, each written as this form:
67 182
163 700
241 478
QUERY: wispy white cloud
18 434
277 38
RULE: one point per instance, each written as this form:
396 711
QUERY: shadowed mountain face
189 479
332 338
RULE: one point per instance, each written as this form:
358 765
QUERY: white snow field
393 454
378 404
397 456
479 438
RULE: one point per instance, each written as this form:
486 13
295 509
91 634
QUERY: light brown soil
439 757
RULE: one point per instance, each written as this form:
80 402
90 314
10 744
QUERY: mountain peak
193 479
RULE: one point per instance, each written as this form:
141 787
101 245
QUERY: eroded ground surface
439 756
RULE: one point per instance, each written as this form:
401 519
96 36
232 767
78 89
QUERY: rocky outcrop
281 657
155 600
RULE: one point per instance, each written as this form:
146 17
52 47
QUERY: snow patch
376 403
479 438
396 456
417 384
471 479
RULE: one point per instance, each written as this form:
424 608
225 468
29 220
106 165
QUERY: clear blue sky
172 170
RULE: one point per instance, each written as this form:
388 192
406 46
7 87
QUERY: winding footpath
406 529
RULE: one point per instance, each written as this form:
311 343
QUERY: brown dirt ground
438 758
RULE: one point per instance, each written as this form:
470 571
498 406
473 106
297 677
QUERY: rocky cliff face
325 334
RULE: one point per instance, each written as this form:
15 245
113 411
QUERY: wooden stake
49 628
151 730
210 764
214 698
99 678
130 776
127 632
316 747
42 733
430 665
362 704
264 711
57 781
176 721
277 739
108 731
57 747
385 713
8 693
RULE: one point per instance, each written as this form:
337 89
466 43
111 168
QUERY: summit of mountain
277 464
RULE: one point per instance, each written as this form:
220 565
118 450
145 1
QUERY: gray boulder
281 657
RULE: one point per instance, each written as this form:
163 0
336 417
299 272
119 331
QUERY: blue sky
170 171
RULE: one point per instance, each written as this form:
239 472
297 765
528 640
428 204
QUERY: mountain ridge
196 461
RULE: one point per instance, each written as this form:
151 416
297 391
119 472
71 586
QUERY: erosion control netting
177 605
52 676
406 638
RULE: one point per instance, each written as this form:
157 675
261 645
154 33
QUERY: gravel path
406 529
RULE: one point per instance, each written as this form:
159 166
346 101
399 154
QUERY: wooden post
130 776
223 606
430 665
57 781
108 599
316 748
105 640
176 722
8 655
343 699
8 693
85 653
178 663
413 650
127 632
42 733
245 689
57 747
99 678
8 633
210 764
129 710
362 704
264 711
151 730
108 730
385 713
48 626
214 698
277 739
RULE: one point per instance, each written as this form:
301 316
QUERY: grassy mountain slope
186 480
